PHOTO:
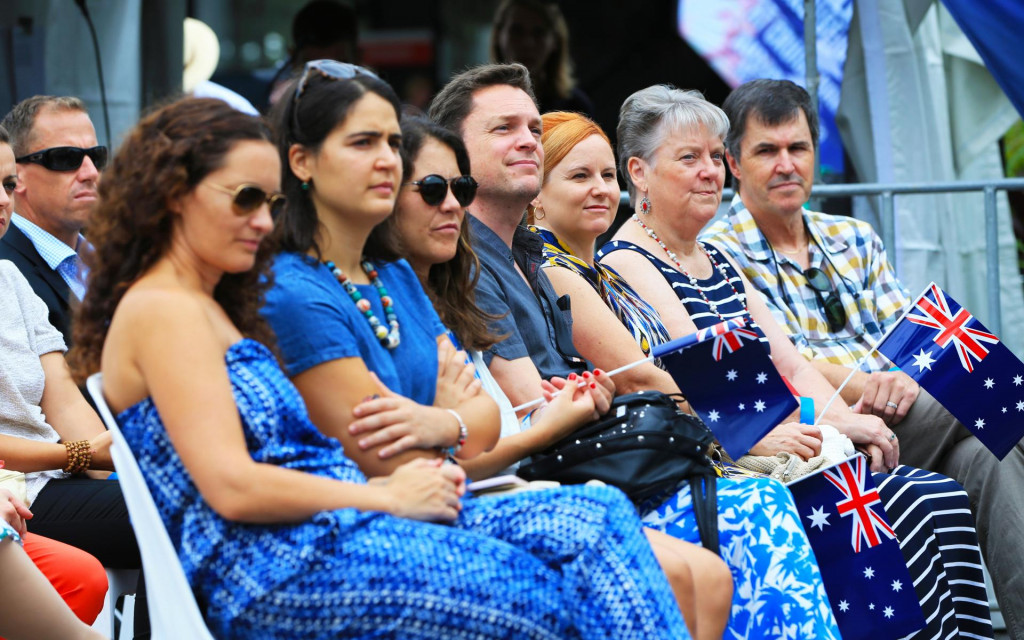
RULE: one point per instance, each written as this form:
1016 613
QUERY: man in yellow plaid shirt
829 284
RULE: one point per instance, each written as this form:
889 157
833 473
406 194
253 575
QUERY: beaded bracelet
79 456
463 435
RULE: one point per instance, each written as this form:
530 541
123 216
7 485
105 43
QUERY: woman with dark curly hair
278 532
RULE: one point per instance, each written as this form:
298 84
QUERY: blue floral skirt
777 587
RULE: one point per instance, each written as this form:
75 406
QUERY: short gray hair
647 115
22 118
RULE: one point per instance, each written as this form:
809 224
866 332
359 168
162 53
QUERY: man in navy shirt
493 108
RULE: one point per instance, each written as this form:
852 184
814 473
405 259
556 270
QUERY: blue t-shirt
316 321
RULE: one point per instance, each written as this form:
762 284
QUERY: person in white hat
202 53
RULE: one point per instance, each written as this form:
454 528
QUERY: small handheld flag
966 368
729 380
862 566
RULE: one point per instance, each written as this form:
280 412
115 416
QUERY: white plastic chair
110 618
173 612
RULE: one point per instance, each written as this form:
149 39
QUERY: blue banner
745 40
994 27
729 380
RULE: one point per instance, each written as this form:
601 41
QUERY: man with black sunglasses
830 285
59 164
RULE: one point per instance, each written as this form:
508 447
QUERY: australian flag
729 380
966 368
862 567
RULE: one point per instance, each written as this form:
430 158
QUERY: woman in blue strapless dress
278 532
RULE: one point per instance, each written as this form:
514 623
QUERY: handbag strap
704 495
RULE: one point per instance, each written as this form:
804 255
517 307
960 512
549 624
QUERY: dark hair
450 285
323 106
453 103
166 155
555 79
320 23
21 120
4 136
772 102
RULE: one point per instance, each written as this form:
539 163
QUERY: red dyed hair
563 130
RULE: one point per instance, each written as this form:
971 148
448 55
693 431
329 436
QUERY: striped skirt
932 519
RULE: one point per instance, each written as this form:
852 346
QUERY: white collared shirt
59 256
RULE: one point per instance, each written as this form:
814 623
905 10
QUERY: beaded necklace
389 339
693 281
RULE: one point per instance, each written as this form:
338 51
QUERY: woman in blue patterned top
278 532
671 145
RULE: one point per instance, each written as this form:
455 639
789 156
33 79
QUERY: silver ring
892 405
892 436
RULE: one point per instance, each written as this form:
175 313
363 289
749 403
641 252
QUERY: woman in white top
29 605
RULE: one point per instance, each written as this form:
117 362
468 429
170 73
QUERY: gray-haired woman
672 151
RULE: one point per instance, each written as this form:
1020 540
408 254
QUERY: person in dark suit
59 163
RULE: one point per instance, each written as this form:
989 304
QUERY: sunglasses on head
835 313
247 198
434 189
67 158
331 69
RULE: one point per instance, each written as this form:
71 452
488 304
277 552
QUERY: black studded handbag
644 445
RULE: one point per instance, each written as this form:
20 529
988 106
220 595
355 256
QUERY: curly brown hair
162 159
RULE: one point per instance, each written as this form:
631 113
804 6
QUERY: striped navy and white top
930 512
717 288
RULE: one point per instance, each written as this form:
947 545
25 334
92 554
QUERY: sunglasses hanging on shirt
820 283
835 313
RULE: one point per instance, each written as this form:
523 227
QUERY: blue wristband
806 410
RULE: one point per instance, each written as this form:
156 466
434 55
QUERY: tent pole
811 65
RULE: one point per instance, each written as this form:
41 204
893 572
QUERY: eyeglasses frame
270 200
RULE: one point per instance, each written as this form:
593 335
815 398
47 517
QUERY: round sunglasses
434 189
247 198
67 158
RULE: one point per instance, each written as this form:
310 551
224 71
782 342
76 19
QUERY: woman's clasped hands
400 423
426 490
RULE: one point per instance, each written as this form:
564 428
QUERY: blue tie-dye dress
565 563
